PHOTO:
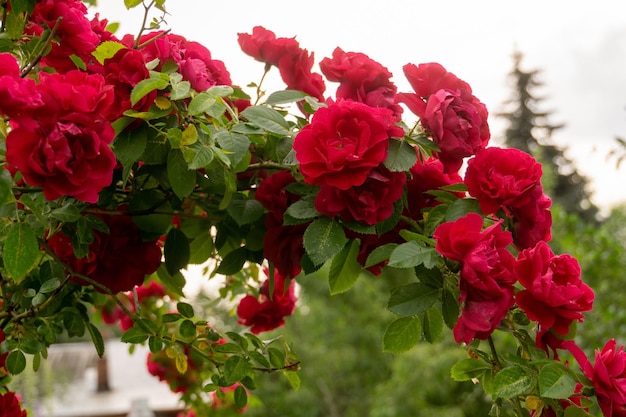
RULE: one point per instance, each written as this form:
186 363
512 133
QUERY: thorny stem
260 93
46 43
143 23
267 165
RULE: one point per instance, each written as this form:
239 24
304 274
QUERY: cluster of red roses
10 405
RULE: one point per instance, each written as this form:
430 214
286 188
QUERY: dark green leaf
201 249
134 335
68 213
412 299
432 324
268 119
241 397
176 250
380 254
402 334
260 359
185 309
182 179
233 262
155 344
49 286
21 250
400 156
277 358
227 348
16 362
173 282
512 381
239 339
234 145
450 308
187 329
303 209
323 239
460 208
469 368
344 269
235 368
130 145
245 210
96 338
6 193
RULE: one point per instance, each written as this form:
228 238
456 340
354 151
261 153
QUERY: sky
578 47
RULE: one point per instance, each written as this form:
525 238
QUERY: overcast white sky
580 48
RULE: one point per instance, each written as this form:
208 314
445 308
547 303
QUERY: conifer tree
530 131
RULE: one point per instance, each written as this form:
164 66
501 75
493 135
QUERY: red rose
263 45
282 245
118 260
427 176
369 203
371 242
10 405
63 145
533 222
502 178
74 32
124 71
608 375
17 95
293 62
361 79
3 356
487 273
343 143
194 60
554 295
268 312
456 120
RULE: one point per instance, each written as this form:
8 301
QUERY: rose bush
126 159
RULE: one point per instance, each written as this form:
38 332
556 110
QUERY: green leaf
469 368
187 329
155 344
380 254
245 210
106 50
234 145
227 348
21 250
402 334
134 335
400 156
241 397
16 362
555 381
303 209
182 179
6 193
198 155
130 145
201 249
285 97
200 104
293 378
176 250
412 299
323 239
411 254
344 269
432 324
268 119
180 90
260 359
235 368
277 358
145 87
96 338
132 3
68 213
49 286
233 262
185 309
512 381
449 308
460 208
173 282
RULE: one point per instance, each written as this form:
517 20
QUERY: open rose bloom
127 159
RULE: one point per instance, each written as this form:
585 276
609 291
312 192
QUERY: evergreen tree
530 131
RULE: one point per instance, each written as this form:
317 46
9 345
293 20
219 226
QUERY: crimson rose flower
426 176
63 145
487 273
502 178
293 62
268 312
74 33
343 143
10 405
3 356
361 79
193 59
532 223
282 245
554 295
369 203
118 260
608 375
456 120
17 94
